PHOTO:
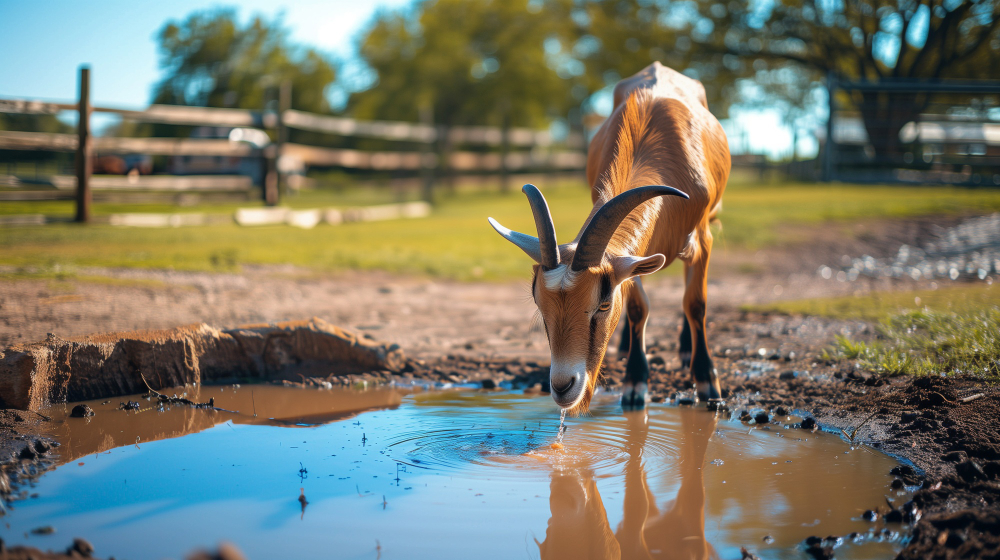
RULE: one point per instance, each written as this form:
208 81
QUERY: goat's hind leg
635 388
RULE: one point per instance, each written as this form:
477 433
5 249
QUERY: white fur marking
560 277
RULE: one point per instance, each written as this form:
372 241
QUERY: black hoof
634 397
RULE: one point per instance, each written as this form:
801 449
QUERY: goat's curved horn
547 246
524 242
594 240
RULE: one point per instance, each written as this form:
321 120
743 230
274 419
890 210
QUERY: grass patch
951 330
455 242
931 343
67 281
875 307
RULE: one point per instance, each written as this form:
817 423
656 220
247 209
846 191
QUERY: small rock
81 411
970 471
28 453
768 539
907 417
761 418
894 516
489 383
745 416
781 411
956 456
46 530
657 361
902 470
813 541
910 512
747 555
808 423
81 547
870 515
787 375
896 484
41 447
932 399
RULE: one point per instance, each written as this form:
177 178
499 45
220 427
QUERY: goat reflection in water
579 527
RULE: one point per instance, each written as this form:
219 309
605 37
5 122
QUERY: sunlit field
455 242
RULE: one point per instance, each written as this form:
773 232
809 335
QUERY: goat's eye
604 306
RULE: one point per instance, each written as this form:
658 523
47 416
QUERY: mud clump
81 411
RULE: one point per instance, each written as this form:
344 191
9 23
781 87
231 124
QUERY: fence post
270 156
284 104
828 152
84 165
504 146
427 154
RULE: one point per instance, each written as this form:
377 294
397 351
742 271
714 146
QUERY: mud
118 363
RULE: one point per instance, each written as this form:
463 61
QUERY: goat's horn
594 240
547 247
525 242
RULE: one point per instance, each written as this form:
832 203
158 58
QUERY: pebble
968 251
761 418
81 547
81 411
970 471
808 423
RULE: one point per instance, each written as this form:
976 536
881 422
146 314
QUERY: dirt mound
110 364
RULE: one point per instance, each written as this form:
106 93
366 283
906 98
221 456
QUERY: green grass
455 242
954 330
751 214
961 299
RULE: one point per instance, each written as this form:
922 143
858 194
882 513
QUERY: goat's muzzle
568 384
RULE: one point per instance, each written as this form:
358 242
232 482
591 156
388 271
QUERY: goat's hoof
716 404
634 397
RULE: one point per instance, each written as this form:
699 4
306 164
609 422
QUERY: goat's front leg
636 385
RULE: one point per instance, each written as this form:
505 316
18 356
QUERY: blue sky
45 41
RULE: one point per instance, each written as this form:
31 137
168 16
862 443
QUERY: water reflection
579 527
267 405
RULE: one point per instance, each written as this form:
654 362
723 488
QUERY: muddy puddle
458 474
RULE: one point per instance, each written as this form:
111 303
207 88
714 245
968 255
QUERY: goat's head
577 288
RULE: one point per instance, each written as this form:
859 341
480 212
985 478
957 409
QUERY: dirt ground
944 429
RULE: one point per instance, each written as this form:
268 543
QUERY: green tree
210 59
478 63
857 39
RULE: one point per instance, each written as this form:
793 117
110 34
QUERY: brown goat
660 133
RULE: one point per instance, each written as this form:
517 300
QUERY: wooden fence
533 150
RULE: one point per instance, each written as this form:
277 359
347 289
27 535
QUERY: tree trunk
884 115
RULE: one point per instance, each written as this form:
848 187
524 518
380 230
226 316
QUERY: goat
660 133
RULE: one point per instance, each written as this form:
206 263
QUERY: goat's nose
562 386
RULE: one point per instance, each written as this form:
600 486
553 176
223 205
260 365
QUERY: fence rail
533 150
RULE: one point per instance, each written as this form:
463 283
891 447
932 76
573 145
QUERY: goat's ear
629 266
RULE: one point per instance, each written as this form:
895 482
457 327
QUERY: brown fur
660 133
